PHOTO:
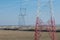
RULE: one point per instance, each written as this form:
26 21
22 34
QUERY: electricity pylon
22 16
51 27
38 26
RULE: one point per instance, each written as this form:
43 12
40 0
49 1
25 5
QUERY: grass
22 35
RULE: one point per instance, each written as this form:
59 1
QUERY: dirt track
22 35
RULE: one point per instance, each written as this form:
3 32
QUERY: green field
23 35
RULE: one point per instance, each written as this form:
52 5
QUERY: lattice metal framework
51 28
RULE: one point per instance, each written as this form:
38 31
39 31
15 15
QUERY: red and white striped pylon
38 29
51 28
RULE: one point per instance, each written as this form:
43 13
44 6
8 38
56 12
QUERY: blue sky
10 9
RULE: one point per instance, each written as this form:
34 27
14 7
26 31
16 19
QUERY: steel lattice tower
38 26
50 28
22 16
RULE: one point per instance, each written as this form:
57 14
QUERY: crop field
23 35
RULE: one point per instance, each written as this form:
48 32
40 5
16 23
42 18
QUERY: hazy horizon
10 9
